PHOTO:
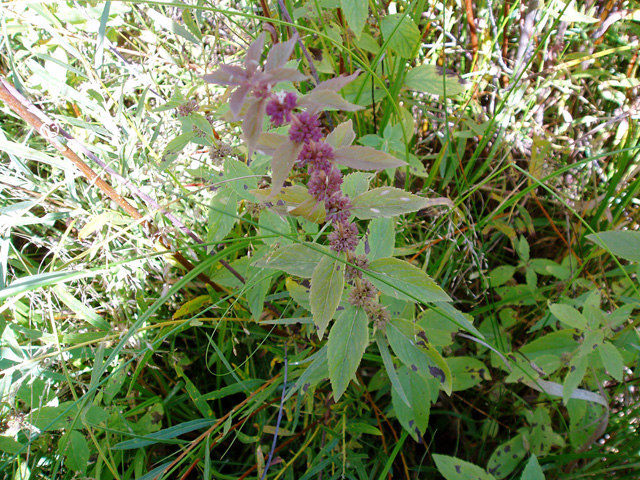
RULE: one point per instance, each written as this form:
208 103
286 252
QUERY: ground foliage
194 321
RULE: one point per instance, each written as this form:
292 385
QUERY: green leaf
383 347
409 342
366 158
327 283
467 372
347 342
569 316
297 259
341 136
9 445
453 468
355 12
577 370
356 183
317 371
622 243
84 311
165 436
401 33
241 178
77 452
432 79
612 360
400 279
522 247
222 214
172 26
391 202
532 470
501 275
506 457
98 221
379 240
257 293
414 418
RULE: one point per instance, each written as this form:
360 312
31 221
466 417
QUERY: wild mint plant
346 286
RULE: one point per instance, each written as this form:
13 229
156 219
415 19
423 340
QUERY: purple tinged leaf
283 160
366 158
338 83
285 74
237 100
252 124
252 60
227 75
280 53
268 143
319 100
341 136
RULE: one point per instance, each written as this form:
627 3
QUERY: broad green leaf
622 243
356 183
467 372
379 239
506 457
327 283
612 360
554 343
172 26
317 371
431 79
192 306
275 228
361 427
453 468
522 247
222 214
299 293
241 178
367 43
391 202
297 259
355 12
257 293
347 342
174 147
383 347
76 452
544 266
366 158
577 370
168 435
341 136
438 328
64 416
409 342
501 275
455 316
569 316
414 418
9 445
84 311
400 279
311 209
532 470
401 33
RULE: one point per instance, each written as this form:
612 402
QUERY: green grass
118 362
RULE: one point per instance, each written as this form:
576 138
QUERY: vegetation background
120 360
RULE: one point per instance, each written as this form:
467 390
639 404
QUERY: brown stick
50 132
472 28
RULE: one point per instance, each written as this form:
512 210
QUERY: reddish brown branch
472 28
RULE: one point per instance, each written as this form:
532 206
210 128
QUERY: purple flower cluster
305 128
280 107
